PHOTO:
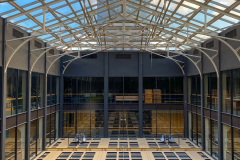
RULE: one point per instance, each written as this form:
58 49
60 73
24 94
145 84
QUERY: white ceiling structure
145 25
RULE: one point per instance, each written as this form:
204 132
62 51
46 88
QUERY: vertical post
185 102
29 82
219 94
3 95
106 96
45 102
202 105
61 100
140 94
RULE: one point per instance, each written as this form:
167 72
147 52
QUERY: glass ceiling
122 24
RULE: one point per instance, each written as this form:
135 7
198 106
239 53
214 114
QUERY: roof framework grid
98 25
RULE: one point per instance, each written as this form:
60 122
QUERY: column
106 96
3 95
140 95
202 104
185 105
61 100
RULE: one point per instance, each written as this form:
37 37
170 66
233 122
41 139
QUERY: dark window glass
123 56
195 52
53 129
189 81
86 89
92 56
226 92
154 56
33 139
207 90
17 33
190 125
34 90
214 95
48 132
53 90
22 91
210 44
149 123
198 91
11 92
97 90
176 93
69 123
37 44
115 88
51 51
231 34
194 90
199 130
194 120
48 90
236 92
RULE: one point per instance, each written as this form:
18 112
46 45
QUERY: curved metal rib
14 52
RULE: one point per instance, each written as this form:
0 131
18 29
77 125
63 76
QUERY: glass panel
163 85
11 92
236 92
189 81
52 128
57 124
10 144
40 135
48 90
177 123
227 142
214 91
40 90
176 87
207 91
83 122
21 142
190 125
33 138
149 123
215 139
53 90
198 91
150 84
194 90
57 90
163 122
34 91
86 82
236 142
97 90
67 90
132 123
208 135
97 123
69 123
130 90
199 130
115 91
226 92
22 91
194 127
48 133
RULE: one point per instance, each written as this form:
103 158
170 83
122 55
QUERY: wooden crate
157 96
148 95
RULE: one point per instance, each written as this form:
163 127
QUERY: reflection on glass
236 142
11 92
206 90
198 91
33 139
57 125
149 123
10 144
226 92
69 123
115 89
48 133
176 90
53 90
57 90
214 139
190 125
194 90
22 91
227 142
97 90
21 142
208 135
177 123
97 123
236 92
48 90
37 91
52 128
189 81
83 122
199 130
214 96
40 135
194 120
123 123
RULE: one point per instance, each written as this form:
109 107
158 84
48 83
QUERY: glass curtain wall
163 90
37 91
51 129
16 91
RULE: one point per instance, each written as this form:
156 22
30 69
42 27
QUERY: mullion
231 85
196 88
16 85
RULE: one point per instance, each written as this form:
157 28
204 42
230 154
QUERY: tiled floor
123 148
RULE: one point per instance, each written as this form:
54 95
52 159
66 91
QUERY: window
123 56
154 56
37 44
51 51
17 33
210 44
11 103
231 34
195 52
92 56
